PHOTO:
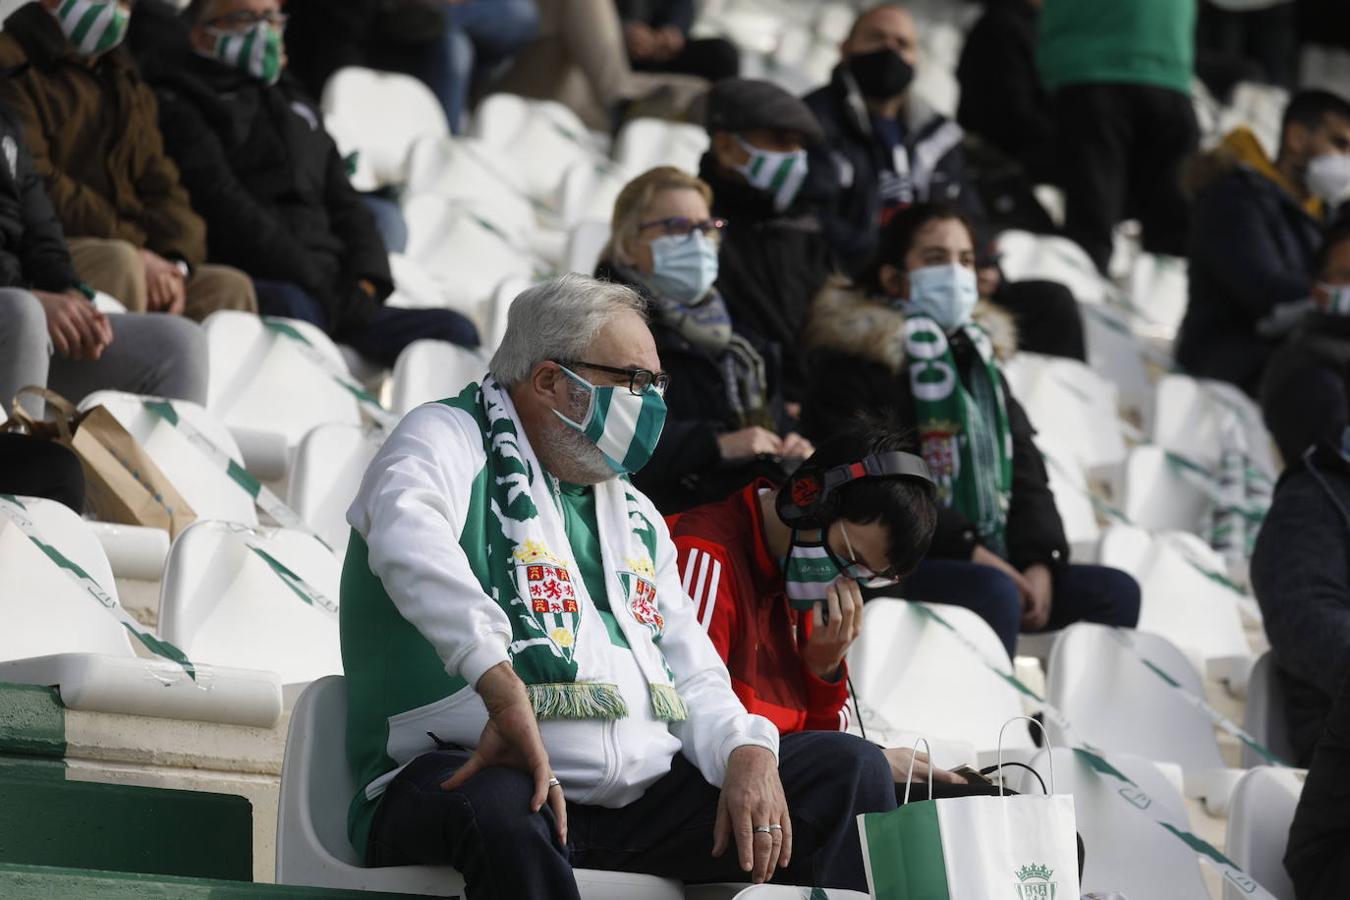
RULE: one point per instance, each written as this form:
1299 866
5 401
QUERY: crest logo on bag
1033 883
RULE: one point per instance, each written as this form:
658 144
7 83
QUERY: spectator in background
907 340
774 256
725 411
1301 575
1305 394
1318 854
449 45
1256 227
1119 77
656 33
1002 99
274 191
885 149
91 125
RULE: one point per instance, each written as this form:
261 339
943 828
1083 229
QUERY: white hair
557 319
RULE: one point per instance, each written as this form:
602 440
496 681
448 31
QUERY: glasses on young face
685 228
640 381
859 571
245 19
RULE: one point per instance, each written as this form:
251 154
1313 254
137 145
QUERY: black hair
1310 109
906 506
195 11
1338 233
898 236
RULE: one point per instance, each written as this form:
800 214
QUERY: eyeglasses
639 380
244 19
858 571
682 227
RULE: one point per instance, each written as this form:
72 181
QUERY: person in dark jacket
656 33
1002 99
774 257
1301 576
1318 855
1305 394
724 413
90 124
908 338
885 149
270 182
1256 226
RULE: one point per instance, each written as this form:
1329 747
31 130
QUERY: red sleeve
826 701
707 580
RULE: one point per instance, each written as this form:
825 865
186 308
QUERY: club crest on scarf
941 450
639 585
546 583
1033 883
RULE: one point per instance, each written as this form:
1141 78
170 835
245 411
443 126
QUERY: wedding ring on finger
553 782
775 827
763 829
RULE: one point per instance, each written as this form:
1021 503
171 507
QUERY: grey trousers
150 354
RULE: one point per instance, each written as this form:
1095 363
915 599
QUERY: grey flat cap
744 104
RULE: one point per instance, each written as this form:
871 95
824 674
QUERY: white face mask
778 174
1328 177
684 267
947 294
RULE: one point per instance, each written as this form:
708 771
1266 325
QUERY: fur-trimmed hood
844 320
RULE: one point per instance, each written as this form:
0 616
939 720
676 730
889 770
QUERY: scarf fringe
667 704
577 700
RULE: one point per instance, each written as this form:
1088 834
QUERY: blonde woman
726 424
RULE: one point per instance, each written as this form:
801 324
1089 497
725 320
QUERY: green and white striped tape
370 404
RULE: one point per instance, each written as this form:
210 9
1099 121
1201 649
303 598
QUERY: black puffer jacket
271 185
33 251
1318 855
769 268
856 356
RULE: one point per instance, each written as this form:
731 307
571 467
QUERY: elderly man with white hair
530 688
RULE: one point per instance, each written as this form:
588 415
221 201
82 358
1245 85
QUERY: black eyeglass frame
639 380
679 226
243 19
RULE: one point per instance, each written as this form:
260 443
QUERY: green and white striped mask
93 27
775 173
256 52
808 572
624 426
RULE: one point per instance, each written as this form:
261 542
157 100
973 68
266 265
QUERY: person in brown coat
92 126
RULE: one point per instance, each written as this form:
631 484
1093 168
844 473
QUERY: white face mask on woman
684 267
947 294
1328 177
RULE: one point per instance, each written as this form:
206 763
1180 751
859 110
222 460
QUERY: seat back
588 191
468 252
433 370
222 602
43 609
207 488
316 782
498 313
585 243
1262 811
1117 703
1264 715
379 116
540 138
645 143
329 465
1190 416
901 654
1159 497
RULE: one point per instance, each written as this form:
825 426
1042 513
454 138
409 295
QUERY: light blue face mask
684 267
623 426
947 294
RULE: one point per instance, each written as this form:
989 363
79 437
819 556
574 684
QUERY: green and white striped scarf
92 27
965 436
530 571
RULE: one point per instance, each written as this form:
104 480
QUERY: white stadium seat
540 139
1191 415
1158 497
467 253
433 370
1258 828
498 309
379 116
1073 410
316 788
224 602
1264 714
585 243
329 465
646 143
589 190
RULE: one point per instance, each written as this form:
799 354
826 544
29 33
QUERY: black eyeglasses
682 227
245 19
859 571
639 380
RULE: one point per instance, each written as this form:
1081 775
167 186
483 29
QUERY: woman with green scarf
909 339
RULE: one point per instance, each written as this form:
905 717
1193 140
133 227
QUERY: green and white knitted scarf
965 436
530 572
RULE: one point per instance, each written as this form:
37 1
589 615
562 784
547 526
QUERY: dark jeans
379 340
389 221
1121 148
486 831
1047 317
1081 594
710 58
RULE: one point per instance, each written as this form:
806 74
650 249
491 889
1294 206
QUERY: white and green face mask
808 572
93 27
256 52
778 174
623 426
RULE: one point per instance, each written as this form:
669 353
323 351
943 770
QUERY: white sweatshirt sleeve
411 510
718 722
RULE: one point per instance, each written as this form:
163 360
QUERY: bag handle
66 413
1045 736
909 776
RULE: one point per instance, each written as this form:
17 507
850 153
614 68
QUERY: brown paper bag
122 482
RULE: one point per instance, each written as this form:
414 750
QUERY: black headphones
808 500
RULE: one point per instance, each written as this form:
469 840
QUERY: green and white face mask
808 572
256 52
93 27
623 426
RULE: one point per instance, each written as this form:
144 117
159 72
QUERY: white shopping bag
1021 847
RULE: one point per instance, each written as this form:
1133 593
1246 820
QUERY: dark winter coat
1318 855
856 355
33 251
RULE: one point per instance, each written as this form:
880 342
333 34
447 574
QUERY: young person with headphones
775 572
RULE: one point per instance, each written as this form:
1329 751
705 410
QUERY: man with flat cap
774 257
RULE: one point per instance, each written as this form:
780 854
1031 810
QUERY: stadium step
24 882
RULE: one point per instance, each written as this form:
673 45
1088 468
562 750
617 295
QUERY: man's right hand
748 443
511 739
642 41
78 330
985 557
165 287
